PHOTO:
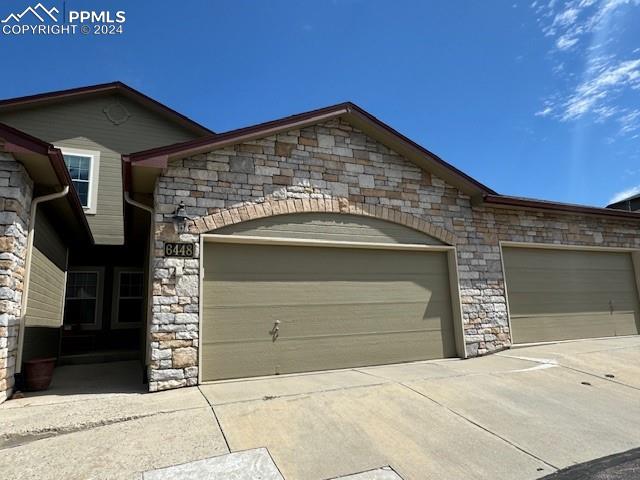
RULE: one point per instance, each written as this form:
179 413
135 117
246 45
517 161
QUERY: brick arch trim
317 205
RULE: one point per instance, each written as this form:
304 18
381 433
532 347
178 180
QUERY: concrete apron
482 418
492 417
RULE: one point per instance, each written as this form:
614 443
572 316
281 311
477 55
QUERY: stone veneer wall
335 167
16 191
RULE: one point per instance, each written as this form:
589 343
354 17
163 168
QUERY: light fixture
180 218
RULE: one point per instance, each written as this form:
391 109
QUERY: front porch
88 381
101 320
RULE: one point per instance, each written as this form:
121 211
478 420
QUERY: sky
537 99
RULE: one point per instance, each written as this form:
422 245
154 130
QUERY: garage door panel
300 355
588 302
546 259
328 262
247 322
305 292
568 327
344 307
558 294
574 281
220 360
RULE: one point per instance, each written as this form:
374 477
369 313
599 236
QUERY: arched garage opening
315 291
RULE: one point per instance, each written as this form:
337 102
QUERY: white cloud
607 82
630 122
605 112
591 32
577 17
624 194
565 42
607 7
544 112
567 17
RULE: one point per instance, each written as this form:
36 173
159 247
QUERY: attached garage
361 292
564 294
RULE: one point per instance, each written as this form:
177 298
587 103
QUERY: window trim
94 171
115 298
97 321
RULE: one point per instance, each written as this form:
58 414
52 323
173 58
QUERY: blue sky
538 98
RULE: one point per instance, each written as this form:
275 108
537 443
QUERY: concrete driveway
520 414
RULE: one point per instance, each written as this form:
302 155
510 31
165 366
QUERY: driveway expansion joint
213 411
476 424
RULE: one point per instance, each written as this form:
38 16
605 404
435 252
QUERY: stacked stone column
16 191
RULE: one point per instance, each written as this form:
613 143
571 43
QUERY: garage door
557 294
333 308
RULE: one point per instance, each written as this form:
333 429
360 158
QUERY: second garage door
271 309
558 294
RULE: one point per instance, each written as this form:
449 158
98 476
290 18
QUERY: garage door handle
276 329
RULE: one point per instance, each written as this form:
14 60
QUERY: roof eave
533 204
156 156
105 88
16 141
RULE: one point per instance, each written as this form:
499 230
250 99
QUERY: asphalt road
621 466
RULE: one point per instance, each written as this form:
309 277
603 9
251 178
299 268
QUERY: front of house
319 241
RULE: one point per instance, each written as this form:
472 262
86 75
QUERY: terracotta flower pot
38 373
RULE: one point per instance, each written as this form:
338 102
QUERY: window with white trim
83 168
79 168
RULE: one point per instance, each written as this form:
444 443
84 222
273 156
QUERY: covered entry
273 305
563 294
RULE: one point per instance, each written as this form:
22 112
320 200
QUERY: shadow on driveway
621 466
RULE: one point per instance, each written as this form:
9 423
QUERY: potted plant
38 373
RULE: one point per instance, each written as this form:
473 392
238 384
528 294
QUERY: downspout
27 268
152 244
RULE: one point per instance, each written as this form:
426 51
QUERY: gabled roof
46 166
158 158
534 204
358 117
628 203
105 89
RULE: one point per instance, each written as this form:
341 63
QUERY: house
631 204
317 241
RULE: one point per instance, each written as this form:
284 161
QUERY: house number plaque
178 250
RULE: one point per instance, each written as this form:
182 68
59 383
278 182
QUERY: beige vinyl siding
46 291
559 294
337 308
82 124
329 226
47 276
48 240
107 223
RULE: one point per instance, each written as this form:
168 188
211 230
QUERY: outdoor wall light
180 218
